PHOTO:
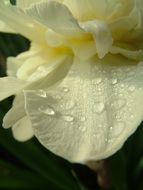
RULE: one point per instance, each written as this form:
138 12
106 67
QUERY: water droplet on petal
70 104
122 85
118 117
98 80
65 89
118 103
114 81
99 107
117 129
82 128
41 93
82 119
47 110
68 118
111 128
131 88
57 97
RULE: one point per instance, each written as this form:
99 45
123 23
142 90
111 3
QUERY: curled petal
22 130
25 3
18 21
10 86
16 113
86 10
62 22
101 34
135 55
91 113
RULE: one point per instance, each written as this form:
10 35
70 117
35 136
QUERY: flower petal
18 21
5 28
102 35
22 130
25 3
16 113
85 10
92 112
62 22
135 55
10 86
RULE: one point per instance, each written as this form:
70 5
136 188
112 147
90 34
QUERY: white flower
79 88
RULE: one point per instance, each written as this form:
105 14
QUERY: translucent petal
62 21
10 86
18 21
92 112
16 113
22 130
131 54
86 10
26 3
128 28
5 28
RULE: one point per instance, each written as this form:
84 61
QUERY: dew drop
41 93
99 107
118 104
122 85
68 118
121 95
70 104
57 97
82 119
98 80
48 111
131 88
117 129
111 128
82 128
114 81
110 140
65 89
118 117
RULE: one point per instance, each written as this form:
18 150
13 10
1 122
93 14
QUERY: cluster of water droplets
93 108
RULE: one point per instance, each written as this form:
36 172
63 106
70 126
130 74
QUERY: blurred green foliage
29 165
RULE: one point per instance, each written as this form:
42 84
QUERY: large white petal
55 16
92 112
10 86
22 130
18 21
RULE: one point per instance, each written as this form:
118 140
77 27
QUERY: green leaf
119 171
